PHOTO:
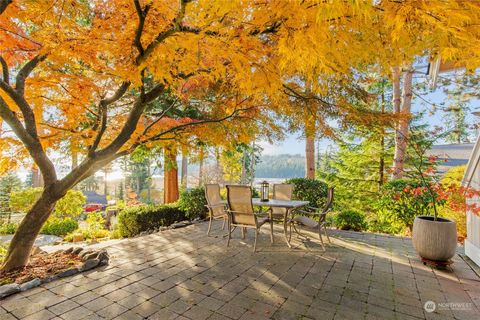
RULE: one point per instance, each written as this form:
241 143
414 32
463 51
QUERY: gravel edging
90 258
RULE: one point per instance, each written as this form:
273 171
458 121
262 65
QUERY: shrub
71 205
134 220
115 234
453 177
350 220
23 200
193 202
8 228
95 228
403 199
313 191
59 227
3 254
378 221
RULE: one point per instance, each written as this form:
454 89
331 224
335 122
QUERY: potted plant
434 237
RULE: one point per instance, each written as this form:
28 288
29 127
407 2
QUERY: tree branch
32 144
142 14
27 112
176 26
104 103
6 76
131 122
117 95
25 72
159 117
185 125
4 4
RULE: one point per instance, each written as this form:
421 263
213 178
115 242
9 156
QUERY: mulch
42 265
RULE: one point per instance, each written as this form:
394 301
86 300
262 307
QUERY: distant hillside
280 166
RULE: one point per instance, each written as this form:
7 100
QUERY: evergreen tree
357 171
8 184
456 124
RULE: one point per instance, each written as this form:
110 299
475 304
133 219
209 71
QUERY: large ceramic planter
434 240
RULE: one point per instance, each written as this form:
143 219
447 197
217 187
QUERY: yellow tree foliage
105 76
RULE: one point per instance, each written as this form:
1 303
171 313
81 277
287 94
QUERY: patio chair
301 217
216 209
241 213
281 192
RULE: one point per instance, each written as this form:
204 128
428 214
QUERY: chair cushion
306 221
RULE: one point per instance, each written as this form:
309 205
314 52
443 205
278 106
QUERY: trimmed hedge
59 227
193 202
311 190
134 220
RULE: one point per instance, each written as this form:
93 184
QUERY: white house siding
472 180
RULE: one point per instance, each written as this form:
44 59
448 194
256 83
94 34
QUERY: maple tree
103 74
104 78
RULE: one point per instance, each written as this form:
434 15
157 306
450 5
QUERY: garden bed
46 267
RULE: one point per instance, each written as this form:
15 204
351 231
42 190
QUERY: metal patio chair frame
242 214
300 217
217 210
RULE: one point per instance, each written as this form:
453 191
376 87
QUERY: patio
183 274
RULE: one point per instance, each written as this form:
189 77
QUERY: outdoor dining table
289 205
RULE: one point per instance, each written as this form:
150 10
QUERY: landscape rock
77 250
9 289
30 284
69 250
90 264
85 253
36 250
50 279
91 255
103 257
67 273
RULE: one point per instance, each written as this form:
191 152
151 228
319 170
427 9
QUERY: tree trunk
200 166
24 238
170 180
243 177
310 149
401 134
381 169
218 165
37 178
252 164
74 157
396 172
184 173
310 158
105 186
149 182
